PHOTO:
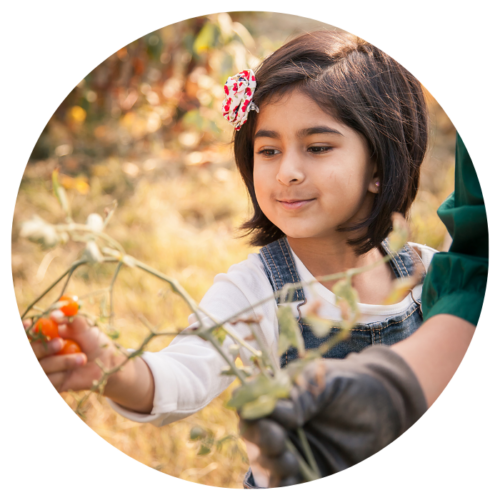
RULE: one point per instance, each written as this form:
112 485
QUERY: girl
330 134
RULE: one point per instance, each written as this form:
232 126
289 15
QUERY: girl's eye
319 149
268 152
271 152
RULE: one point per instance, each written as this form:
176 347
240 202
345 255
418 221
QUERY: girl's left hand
77 371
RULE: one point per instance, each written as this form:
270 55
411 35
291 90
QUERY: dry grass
162 221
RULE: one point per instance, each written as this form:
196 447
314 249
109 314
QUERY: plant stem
228 359
308 452
269 358
230 331
110 214
176 287
98 234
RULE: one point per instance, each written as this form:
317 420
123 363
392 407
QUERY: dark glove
349 409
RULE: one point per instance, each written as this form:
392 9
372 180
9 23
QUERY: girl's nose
290 171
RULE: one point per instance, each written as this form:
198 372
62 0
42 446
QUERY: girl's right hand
75 372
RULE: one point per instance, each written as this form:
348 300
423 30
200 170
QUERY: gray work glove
349 410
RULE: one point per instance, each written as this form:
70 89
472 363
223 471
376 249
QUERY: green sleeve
456 280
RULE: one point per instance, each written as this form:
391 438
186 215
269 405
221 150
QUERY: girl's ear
374 186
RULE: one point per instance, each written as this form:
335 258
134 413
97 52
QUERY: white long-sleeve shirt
187 372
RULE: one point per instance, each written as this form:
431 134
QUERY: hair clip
238 103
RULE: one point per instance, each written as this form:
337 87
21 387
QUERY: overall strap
403 262
280 267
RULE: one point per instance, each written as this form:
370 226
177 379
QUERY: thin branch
176 287
110 213
68 271
231 332
305 470
308 452
69 228
269 357
228 359
111 286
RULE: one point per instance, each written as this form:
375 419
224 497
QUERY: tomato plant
70 308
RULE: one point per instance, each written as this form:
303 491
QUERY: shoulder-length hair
365 89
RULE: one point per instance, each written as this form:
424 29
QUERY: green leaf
278 387
206 39
204 450
113 335
259 408
290 335
197 432
220 334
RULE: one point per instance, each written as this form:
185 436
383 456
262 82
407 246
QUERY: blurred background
144 128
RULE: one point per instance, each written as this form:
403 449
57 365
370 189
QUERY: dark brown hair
368 91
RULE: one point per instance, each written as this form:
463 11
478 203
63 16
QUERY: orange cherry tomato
70 347
47 327
70 308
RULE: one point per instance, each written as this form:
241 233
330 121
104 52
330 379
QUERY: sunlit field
144 129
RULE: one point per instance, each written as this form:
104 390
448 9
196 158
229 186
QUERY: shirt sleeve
187 373
456 281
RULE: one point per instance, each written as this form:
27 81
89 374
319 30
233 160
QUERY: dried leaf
60 193
92 252
401 288
399 235
39 231
95 222
290 335
346 298
319 325
234 349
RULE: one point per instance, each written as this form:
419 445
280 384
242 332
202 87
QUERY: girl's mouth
294 204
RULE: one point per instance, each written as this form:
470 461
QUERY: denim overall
280 269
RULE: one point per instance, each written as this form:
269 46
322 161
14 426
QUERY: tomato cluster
49 328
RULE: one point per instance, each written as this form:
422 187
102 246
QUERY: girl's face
311 172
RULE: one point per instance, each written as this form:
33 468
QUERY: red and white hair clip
238 103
